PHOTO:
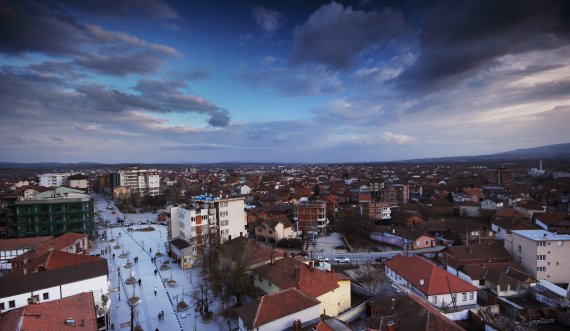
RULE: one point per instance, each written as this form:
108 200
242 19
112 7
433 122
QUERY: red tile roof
313 281
21 243
59 243
52 315
54 260
274 306
250 252
488 251
436 280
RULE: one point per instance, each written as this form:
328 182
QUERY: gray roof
541 235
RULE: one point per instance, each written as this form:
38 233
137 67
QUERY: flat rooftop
541 235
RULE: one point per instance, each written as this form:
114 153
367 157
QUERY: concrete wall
287 321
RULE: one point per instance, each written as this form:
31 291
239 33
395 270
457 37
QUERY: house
414 220
553 221
76 243
543 254
469 209
456 257
244 190
503 226
435 285
331 290
472 230
395 310
54 275
278 311
491 203
530 207
502 279
11 248
274 229
410 237
250 252
70 313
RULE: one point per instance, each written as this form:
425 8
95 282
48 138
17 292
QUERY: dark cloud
269 20
283 81
120 65
28 26
101 98
334 35
141 8
459 37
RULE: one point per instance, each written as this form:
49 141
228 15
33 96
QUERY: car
322 259
376 249
342 260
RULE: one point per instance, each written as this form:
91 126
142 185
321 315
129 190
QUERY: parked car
342 260
322 259
340 247
376 248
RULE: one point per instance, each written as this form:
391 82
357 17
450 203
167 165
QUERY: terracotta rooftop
436 280
273 221
484 251
251 252
510 212
313 281
54 260
60 243
274 306
78 310
408 312
22 243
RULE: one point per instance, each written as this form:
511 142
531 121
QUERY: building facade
54 179
141 181
376 211
52 212
543 254
311 215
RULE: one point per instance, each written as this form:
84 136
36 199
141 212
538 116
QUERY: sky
150 81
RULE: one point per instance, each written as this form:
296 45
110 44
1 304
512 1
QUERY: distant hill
558 151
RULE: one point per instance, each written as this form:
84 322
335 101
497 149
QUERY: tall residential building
310 215
141 181
210 219
376 211
544 254
54 179
52 212
501 177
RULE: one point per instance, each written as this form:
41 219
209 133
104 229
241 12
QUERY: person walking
155 272
155 291
162 315
159 316
150 249
140 281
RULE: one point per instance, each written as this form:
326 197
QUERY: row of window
12 303
224 213
224 222
454 297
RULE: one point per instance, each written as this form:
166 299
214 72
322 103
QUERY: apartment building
54 179
543 254
141 181
189 232
310 215
500 177
53 212
229 216
376 211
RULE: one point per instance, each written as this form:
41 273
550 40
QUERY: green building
54 212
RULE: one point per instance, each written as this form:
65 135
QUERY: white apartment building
543 254
230 218
54 179
191 225
141 181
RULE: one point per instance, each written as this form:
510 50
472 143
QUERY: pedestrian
159 316
156 329
140 282
113 255
113 326
155 291
150 249
162 315
155 272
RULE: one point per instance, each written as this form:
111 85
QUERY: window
453 297
259 277
541 269
11 304
541 243
541 257
471 296
268 282
434 299
463 296
2 306
481 282
45 296
520 248
270 232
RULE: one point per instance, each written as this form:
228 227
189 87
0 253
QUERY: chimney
393 303
422 282
311 265
391 326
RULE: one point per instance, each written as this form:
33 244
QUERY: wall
96 284
287 321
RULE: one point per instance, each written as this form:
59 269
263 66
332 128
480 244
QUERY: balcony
323 223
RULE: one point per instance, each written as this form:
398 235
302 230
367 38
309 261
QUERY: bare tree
227 318
202 297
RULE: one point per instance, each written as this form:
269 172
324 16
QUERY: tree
203 297
227 318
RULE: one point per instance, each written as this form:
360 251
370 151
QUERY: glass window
471 295
46 296
11 303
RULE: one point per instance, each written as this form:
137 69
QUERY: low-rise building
274 229
435 285
310 215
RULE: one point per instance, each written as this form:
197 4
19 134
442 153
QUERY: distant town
452 246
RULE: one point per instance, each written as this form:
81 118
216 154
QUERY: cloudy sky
283 80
